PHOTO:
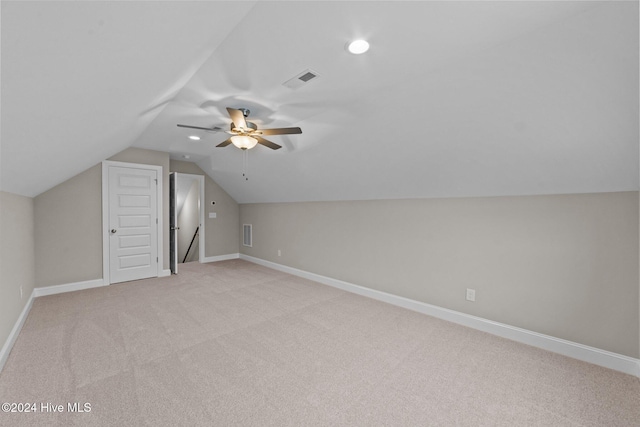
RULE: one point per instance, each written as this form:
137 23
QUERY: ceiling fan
246 135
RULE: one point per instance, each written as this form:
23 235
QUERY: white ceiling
453 98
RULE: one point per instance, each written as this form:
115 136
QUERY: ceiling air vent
301 79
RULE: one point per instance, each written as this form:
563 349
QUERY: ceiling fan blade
266 143
237 117
280 131
213 129
224 143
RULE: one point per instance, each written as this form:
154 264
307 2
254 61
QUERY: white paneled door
133 224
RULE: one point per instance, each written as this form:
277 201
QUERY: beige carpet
236 344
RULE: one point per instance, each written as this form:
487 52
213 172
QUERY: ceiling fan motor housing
251 127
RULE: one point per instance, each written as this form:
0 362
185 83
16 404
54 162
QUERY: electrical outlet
279 252
471 294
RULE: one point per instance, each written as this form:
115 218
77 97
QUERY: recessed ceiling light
358 46
194 137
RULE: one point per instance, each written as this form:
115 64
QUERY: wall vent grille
247 238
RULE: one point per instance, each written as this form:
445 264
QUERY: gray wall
562 265
223 232
68 230
68 223
17 254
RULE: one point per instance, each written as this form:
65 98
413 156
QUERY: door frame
106 261
201 232
173 224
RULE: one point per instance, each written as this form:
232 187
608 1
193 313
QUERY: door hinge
156 180
156 259
156 220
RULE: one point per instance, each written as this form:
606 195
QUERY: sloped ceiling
80 79
453 99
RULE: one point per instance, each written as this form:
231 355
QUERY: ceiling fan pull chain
245 164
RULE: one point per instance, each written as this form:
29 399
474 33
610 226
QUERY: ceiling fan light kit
244 142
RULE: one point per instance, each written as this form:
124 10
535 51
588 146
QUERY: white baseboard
68 287
220 257
578 351
11 339
165 273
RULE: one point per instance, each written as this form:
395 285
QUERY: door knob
175 228
113 231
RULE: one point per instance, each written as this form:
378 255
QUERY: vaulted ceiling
453 98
